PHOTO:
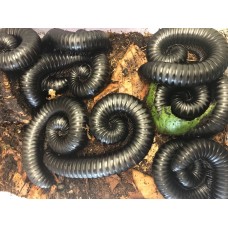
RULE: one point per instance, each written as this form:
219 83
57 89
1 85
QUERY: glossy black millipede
186 103
218 118
196 169
31 81
163 68
109 124
65 121
81 41
19 48
89 79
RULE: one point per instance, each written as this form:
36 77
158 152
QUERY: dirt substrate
127 55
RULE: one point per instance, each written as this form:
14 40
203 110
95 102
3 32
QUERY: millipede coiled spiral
88 80
31 82
84 80
166 53
194 111
19 48
197 169
219 117
186 103
65 121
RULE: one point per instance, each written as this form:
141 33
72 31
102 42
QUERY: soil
127 54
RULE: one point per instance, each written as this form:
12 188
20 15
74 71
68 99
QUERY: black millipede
186 103
79 42
31 81
19 48
63 119
196 169
165 61
88 80
219 117
190 103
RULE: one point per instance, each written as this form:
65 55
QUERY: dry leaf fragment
20 186
51 94
36 193
125 78
145 184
